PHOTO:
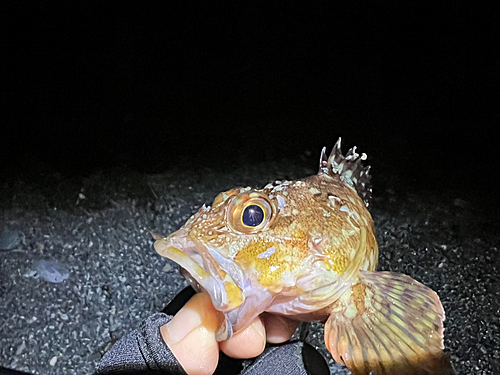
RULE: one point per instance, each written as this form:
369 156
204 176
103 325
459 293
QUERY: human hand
190 335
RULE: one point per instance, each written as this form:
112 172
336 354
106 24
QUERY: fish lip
194 250
181 241
197 260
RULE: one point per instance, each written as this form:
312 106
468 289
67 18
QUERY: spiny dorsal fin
349 168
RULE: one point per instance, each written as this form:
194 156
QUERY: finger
278 328
248 343
190 335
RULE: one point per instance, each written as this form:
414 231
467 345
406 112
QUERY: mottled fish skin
312 257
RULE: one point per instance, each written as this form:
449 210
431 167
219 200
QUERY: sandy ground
78 271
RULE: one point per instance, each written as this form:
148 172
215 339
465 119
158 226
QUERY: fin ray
387 323
349 168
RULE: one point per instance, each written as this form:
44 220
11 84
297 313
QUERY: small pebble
21 348
9 239
52 271
167 268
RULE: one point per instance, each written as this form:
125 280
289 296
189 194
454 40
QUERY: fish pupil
253 216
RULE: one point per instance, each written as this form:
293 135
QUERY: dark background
89 88
95 100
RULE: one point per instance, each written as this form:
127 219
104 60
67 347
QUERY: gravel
78 271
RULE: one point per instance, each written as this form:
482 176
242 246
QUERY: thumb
190 335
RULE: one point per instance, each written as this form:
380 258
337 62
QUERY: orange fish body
307 249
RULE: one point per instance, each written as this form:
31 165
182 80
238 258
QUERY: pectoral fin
390 324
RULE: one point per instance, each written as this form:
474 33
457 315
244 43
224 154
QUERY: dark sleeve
278 360
141 351
290 358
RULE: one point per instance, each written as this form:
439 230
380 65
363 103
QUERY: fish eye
250 212
252 216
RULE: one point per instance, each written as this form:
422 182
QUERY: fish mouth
207 269
231 291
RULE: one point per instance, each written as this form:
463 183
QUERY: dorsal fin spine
349 168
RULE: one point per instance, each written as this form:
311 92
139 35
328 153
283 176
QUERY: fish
306 249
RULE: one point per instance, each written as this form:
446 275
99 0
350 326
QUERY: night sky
95 88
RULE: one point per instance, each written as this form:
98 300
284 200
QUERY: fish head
207 245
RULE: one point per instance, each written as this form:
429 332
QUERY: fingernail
258 327
184 322
198 311
279 329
